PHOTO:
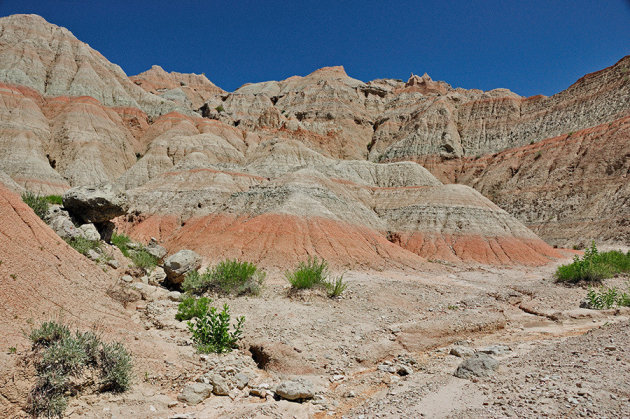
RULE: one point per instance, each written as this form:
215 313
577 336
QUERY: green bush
39 204
196 283
309 274
211 331
605 298
594 266
54 199
220 108
82 245
191 307
143 259
121 241
231 277
62 359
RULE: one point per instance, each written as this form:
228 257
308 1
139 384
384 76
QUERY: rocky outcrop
95 204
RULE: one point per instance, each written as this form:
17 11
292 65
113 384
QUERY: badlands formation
448 208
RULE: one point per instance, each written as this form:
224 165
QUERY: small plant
453 307
538 155
191 307
309 274
606 298
54 199
594 266
83 245
211 332
61 361
39 204
143 259
336 287
12 350
220 108
121 241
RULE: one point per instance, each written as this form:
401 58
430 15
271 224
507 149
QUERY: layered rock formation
312 165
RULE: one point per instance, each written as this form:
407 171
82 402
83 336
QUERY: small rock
172 404
174 296
300 389
127 278
195 393
462 351
178 265
221 386
495 350
153 248
92 254
157 276
113 263
241 380
478 365
90 232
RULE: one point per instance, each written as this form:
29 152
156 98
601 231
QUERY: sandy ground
555 359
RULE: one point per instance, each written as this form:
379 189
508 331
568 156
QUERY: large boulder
178 265
195 393
96 204
478 365
299 389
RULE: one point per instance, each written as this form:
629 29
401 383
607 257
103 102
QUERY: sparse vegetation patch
83 245
314 274
230 277
608 297
191 307
39 204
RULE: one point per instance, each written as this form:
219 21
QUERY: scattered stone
478 365
113 263
178 265
195 393
127 278
95 204
462 351
92 254
241 380
495 350
157 276
294 390
172 404
155 249
174 296
221 386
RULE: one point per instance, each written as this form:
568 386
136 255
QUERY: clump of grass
39 204
211 331
62 360
143 259
231 277
54 199
121 241
309 274
314 274
83 245
608 297
191 307
594 266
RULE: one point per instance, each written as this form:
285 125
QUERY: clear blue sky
530 47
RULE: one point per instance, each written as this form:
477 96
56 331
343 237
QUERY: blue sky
531 47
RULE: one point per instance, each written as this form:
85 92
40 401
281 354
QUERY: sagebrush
61 362
230 277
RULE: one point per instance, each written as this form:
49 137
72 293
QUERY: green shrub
121 241
82 245
211 331
309 274
594 266
54 199
62 358
143 259
606 298
39 204
196 283
237 278
220 108
336 288
191 307
230 277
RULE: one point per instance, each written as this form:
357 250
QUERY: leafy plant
211 331
309 274
606 298
196 283
220 108
121 241
12 350
39 204
594 266
191 307
336 287
62 358
83 245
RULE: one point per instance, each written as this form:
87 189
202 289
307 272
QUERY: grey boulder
179 264
195 393
478 365
299 389
96 204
